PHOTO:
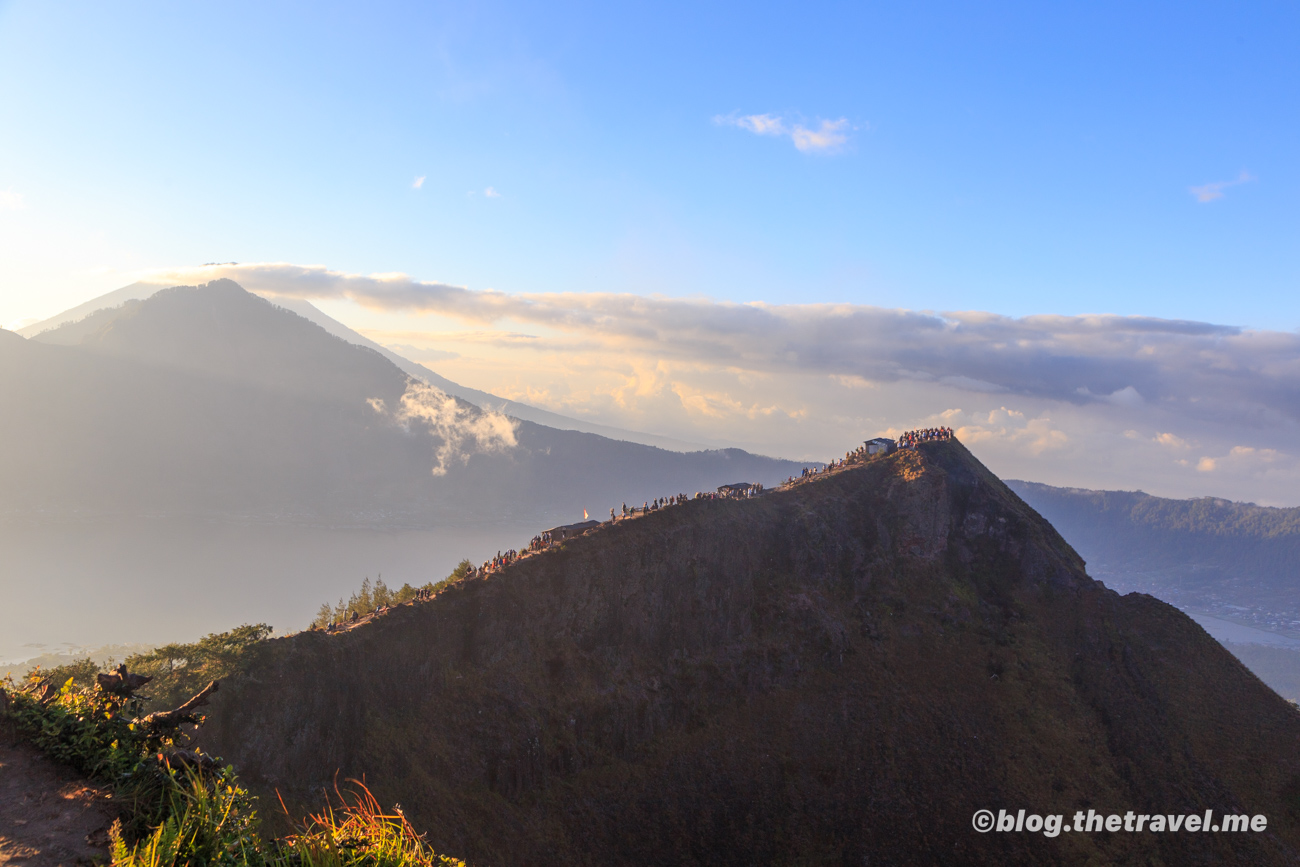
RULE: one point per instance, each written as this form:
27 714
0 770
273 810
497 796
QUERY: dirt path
48 815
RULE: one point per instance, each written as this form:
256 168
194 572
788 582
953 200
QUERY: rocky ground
49 816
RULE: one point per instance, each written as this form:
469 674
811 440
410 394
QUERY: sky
768 225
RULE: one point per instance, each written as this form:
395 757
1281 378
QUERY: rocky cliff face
838 673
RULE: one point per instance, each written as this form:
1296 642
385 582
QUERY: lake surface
1227 631
95 582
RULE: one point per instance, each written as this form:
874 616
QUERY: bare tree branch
170 719
121 682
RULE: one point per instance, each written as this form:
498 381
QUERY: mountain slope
210 400
482 399
141 291
1212 555
134 292
841 672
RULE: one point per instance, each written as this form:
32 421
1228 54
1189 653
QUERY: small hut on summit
565 531
880 444
737 488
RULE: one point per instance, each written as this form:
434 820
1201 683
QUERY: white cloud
1248 459
1206 193
462 430
491 193
852 381
1171 441
828 137
418 182
11 201
1126 396
760 124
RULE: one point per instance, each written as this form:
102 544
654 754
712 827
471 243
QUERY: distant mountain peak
526 412
212 399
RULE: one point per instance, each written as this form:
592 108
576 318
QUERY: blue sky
773 175
1014 158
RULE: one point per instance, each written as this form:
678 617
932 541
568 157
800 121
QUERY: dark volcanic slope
840 673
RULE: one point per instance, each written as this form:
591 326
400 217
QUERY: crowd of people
726 492
835 463
500 561
736 492
651 506
924 435
908 439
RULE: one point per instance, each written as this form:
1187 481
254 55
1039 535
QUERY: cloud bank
1194 368
1123 401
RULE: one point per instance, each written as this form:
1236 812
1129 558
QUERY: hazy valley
1233 566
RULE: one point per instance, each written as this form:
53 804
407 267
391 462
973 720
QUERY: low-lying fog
94 582
83 584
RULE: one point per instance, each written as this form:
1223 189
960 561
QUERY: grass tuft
360 832
183 808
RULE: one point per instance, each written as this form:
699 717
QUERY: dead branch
187 758
45 691
121 682
162 720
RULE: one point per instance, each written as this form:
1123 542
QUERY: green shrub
82 671
181 670
183 809
84 727
372 597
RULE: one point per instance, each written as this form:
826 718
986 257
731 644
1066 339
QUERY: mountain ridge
1213 555
143 290
838 672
